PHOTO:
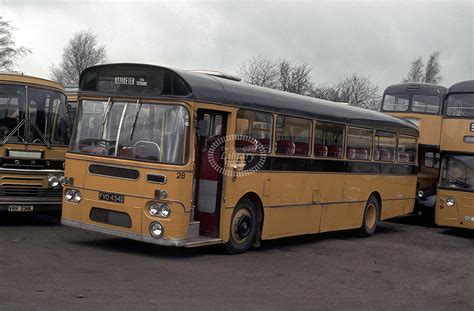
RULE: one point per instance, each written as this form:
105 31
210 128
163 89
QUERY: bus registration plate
111 197
20 208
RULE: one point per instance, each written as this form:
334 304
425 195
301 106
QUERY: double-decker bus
34 136
173 157
421 104
455 196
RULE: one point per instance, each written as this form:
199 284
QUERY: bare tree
260 71
415 74
81 52
325 92
359 91
293 78
277 74
433 68
9 52
431 73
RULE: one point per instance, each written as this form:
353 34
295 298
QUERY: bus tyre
371 217
243 227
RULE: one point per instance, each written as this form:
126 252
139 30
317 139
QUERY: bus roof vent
218 74
413 87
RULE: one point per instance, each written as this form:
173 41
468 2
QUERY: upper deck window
425 104
141 131
395 102
460 105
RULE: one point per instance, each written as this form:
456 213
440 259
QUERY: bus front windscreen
460 105
457 172
33 115
133 130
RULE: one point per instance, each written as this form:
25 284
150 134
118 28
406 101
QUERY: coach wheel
371 217
242 228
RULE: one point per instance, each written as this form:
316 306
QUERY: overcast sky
336 38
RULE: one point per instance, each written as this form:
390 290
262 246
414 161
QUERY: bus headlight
54 182
154 209
450 202
68 194
77 197
161 210
156 229
165 210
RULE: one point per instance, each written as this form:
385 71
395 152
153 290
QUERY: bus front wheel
243 227
371 217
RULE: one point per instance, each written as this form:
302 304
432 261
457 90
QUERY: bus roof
416 87
130 79
462 87
17 77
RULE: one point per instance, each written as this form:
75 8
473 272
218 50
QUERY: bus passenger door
209 161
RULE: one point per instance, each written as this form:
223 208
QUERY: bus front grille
31 192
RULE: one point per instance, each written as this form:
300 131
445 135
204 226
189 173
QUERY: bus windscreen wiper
16 129
139 106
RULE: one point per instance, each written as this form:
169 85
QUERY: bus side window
329 140
293 136
406 149
359 143
385 146
254 129
431 159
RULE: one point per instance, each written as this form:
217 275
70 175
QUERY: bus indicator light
472 127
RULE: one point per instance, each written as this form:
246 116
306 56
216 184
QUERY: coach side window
254 131
293 136
385 146
359 143
329 140
406 149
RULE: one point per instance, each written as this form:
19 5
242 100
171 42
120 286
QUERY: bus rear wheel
243 227
371 217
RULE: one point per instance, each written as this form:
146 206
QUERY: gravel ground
407 264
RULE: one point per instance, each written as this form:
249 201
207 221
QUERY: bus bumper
123 234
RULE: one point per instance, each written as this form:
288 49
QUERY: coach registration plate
20 208
111 197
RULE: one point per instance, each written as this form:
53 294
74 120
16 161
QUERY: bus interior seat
301 148
146 150
385 155
361 154
244 145
321 150
285 147
351 154
335 151
403 157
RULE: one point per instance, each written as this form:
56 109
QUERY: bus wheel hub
243 226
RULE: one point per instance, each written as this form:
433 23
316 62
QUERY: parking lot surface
407 264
